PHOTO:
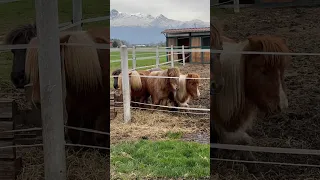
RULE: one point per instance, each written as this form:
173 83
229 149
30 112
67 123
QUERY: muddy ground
299 126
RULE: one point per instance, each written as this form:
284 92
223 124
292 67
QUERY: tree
115 44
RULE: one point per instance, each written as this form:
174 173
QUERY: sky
183 10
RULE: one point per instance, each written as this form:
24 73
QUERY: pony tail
135 81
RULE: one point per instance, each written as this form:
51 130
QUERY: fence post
134 59
77 13
172 62
125 84
183 56
51 89
236 6
157 57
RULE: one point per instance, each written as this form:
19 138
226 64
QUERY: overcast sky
182 10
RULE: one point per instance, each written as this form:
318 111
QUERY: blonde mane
135 82
81 63
182 91
230 100
32 70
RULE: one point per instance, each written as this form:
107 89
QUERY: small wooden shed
191 38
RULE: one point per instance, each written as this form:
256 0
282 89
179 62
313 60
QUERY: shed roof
186 30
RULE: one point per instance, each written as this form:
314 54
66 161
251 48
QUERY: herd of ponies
245 84
172 88
87 77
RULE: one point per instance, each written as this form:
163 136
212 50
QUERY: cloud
183 10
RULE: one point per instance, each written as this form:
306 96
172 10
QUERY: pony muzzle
283 104
198 93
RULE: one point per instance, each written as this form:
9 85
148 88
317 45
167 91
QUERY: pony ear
99 40
284 41
255 43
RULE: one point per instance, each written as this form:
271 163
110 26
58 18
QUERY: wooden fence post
157 57
134 59
236 6
172 62
51 89
125 84
77 13
183 56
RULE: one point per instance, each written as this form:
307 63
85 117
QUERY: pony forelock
230 101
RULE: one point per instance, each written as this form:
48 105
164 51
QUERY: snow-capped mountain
146 20
141 28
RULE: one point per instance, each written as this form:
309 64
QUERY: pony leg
238 137
155 102
165 102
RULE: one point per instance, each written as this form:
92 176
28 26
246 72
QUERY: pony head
20 35
116 72
193 85
173 82
264 74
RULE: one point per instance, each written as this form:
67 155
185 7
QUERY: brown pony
160 88
252 83
138 85
188 88
87 82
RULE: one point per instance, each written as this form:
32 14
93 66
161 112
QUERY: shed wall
196 44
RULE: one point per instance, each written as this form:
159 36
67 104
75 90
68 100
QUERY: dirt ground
155 125
298 127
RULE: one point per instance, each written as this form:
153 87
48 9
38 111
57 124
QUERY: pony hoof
246 139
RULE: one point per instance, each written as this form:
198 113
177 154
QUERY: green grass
174 135
170 158
5 65
21 12
139 63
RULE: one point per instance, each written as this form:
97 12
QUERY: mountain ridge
139 28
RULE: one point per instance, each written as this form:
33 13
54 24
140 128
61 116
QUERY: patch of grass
170 158
5 65
145 62
174 135
23 12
